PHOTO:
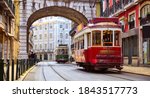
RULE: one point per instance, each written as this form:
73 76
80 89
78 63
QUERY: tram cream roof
98 26
106 23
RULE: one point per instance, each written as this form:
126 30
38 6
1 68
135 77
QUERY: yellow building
9 38
7 17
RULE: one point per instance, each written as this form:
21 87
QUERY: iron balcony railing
126 2
11 5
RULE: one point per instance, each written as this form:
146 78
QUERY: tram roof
105 19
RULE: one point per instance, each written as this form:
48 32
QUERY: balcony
8 6
128 4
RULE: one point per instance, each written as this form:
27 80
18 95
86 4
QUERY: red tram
98 45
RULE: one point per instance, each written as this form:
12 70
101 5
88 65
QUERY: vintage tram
62 53
98 45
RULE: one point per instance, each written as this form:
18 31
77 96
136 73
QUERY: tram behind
62 53
98 45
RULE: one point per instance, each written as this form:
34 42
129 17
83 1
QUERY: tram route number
108 90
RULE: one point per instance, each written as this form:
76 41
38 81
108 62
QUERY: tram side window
116 38
76 44
82 44
96 37
89 39
107 38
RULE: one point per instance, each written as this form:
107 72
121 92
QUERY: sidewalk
142 70
136 70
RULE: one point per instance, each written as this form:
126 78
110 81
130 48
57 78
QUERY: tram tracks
56 72
52 72
126 79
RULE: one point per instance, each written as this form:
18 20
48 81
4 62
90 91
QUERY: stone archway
66 12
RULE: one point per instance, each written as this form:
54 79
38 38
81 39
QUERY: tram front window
96 36
107 38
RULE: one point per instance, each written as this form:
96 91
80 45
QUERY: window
40 36
40 46
96 37
81 42
50 46
35 47
45 27
40 27
61 35
89 39
131 17
66 26
45 46
50 35
145 10
66 36
122 24
35 37
50 26
60 25
131 21
116 38
45 36
76 44
107 38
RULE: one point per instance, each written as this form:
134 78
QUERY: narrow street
51 71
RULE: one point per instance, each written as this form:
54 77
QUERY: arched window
145 10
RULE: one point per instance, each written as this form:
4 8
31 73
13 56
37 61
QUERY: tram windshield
104 38
62 51
107 38
96 36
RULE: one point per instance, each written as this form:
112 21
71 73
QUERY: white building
48 33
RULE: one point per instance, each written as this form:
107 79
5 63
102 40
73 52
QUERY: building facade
48 33
135 26
7 29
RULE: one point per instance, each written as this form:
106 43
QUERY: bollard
1 70
17 70
12 74
7 73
